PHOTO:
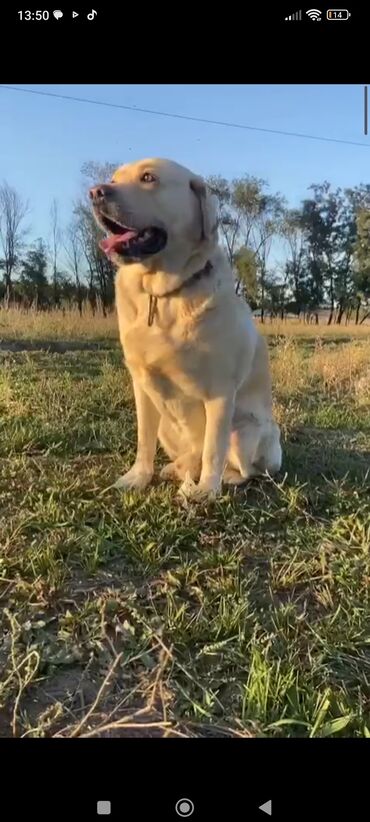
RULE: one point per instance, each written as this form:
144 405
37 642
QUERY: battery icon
338 14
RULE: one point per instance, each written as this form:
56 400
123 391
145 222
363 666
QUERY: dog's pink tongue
110 244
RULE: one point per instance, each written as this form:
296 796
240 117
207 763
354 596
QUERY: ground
131 614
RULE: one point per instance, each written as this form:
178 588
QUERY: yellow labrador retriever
199 367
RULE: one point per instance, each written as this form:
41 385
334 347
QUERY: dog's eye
147 177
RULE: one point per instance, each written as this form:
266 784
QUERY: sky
44 140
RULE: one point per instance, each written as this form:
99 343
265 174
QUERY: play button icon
266 807
75 14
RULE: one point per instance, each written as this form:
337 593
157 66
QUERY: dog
199 367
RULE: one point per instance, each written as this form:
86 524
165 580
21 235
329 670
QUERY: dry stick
16 669
167 654
227 731
98 696
23 686
117 725
10 585
125 699
114 710
174 732
127 722
65 707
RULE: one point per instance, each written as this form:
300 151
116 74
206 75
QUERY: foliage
324 243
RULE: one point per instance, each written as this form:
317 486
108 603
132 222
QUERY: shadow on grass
311 453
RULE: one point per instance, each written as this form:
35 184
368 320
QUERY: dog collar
197 276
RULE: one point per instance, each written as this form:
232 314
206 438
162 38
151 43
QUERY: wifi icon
314 14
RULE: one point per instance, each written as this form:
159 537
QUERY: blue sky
44 141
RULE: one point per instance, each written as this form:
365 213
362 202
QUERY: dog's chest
163 359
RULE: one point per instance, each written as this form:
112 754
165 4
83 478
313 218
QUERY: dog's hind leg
169 438
183 445
254 450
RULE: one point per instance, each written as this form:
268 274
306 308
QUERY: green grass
132 614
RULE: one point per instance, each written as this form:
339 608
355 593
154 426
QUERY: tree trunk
331 315
358 306
79 299
262 305
365 317
55 288
8 289
92 299
340 314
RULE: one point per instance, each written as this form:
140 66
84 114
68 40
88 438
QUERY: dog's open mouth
130 242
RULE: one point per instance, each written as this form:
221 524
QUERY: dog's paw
199 492
232 477
189 464
169 471
134 479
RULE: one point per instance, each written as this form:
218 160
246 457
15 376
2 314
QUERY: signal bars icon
296 16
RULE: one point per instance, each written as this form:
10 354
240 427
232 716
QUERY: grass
130 614
18 325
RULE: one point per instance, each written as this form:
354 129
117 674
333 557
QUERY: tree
56 236
94 172
275 296
229 217
329 220
362 256
73 252
350 203
100 270
34 283
13 211
358 200
248 217
320 214
292 231
246 268
267 223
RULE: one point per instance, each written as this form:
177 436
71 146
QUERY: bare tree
56 237
100 273
94 173
73 252
12 213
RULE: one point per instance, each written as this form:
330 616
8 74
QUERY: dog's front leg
219 413
140 475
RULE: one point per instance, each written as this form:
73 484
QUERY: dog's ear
208 207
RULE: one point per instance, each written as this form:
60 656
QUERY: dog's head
152 209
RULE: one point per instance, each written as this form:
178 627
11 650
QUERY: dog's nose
100 193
